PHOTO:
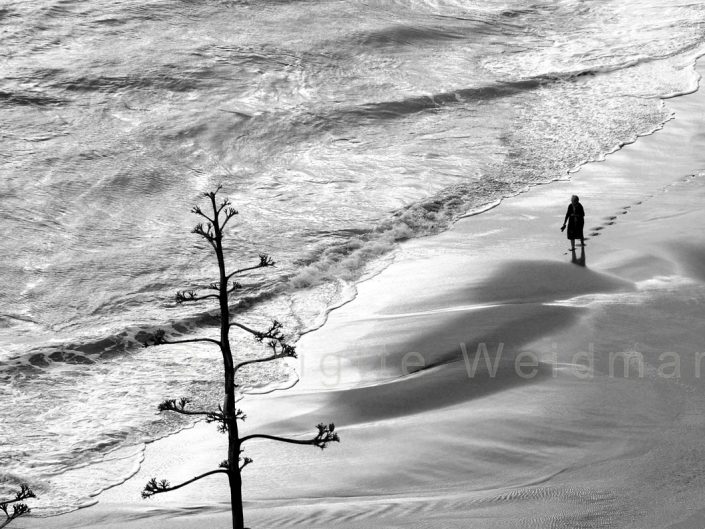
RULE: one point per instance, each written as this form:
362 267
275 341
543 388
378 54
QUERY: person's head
574 199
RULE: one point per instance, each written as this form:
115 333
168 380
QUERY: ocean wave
180 82
402 35
412 105
29 98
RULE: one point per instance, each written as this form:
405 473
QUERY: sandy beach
545 430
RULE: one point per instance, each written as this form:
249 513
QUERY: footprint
594 234
609 223
598 228
612 217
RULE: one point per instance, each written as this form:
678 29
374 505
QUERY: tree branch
190 295
23 494
256 361
198 211
158 338
157 487
206 233
273 333
18 509
192 340
286 351
223 204
180 407
211 416
229 214
211 194
277 343
264 261
245 461
245 328
326 434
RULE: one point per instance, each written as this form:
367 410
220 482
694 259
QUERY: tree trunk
229 410
236 497
234 477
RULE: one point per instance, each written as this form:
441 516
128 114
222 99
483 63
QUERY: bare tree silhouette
19 508
227 415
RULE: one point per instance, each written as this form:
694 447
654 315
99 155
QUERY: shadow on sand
580 261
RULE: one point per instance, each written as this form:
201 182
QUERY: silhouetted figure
580 261
575 218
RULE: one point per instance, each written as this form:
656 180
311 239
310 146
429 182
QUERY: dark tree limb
276 342
255 361
245 461
229 214
326 434
157 487
273 333
206 233
180 406
197 210
264 359
223 204
183 296
223 420
264 261
212 194
159 338
18 507
244 328
191 340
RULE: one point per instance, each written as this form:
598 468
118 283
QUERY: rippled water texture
338 129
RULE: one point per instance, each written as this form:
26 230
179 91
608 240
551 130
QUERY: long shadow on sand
504 313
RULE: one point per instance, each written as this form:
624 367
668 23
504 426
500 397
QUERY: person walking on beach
575 217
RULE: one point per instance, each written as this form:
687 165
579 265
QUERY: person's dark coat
576 219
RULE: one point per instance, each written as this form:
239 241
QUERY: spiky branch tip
211 194
276 341
222 421
24 493
185 295
205 232
18 508
174 405
155 487
273 333
265 260
158 337
198 211
282 349
245 461
326 434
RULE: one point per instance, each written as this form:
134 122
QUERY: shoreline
479 282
